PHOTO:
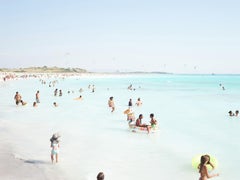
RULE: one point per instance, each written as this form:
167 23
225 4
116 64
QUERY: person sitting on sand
153 121
139 102
111 103
55 146
204 175
139 123
100 176
23 103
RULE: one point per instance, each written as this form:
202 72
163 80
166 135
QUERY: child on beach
204 175
55 146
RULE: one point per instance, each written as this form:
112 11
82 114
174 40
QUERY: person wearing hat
55 146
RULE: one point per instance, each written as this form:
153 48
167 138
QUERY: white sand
12 168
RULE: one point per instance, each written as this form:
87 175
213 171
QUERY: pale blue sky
127 35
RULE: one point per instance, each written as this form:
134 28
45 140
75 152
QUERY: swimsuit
54 149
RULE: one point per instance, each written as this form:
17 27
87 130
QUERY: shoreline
13 167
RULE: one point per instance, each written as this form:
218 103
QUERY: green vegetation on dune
44 69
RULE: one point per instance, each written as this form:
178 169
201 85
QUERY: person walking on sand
55 146
37 97
111 103
204 175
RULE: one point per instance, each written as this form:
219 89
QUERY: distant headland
55 69
43 69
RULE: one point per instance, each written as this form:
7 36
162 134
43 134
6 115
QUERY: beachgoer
37 97
17 98
130 116
23 103
153 121
111 103
100 176
231 113
55 92
55 104
139 102
79 98
130 87
236 113
139 123
60 92
204 175
55 146
130 103
34 104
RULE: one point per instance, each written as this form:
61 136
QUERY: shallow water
192 112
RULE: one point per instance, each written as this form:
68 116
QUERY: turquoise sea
191 110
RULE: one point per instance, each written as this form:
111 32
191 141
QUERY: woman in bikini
204 175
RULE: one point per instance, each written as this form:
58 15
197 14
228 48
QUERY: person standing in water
37 97
204 175
130 103
111 103
17 98
139 102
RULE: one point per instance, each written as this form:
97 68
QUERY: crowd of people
132 121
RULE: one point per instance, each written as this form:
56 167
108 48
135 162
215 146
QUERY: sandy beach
13 167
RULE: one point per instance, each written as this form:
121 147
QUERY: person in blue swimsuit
55 147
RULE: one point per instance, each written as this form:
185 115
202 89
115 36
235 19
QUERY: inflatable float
196 161
137 129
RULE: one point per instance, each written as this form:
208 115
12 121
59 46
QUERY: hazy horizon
175 37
